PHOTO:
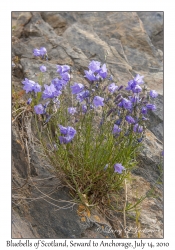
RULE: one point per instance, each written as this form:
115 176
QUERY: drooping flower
139 79
103 71
116 129
112 87
59 84
144 110
69 133
125 103
72 110
65 139
39 109
43 51
77 88
84 108
65 76
62 69
90 76
129 119
98 101
138 128
134 84
134 99
50 91
118 168
151 106
136 89
94 66
43 68
37 87
28 85
82 95
153 93
36 52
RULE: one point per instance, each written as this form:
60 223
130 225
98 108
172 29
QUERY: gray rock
156 118
153 23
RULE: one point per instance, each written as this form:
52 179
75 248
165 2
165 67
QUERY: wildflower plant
95 130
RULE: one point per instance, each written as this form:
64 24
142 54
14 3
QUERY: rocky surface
130 43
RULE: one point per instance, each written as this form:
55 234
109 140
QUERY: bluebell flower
129 119
43 68
118 168
98 101
153 93
112 87
72 110
39 109
77 88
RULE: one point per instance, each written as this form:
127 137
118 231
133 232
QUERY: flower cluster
96 71
68 132
30 86
127 109
40 52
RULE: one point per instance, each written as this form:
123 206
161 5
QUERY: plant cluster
94 130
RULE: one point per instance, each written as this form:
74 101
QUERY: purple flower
50 91
63 130
37 88
43 68
29 101
144 110
72 110
62 69
151 106
90 76
39 109
28 85
162 154
84 108
65 76
94 66
137 128
118 168
153 93
125 103
43 51
134 84
116 129
98 101
103 71
77 88
136 89
112 87
59 84
69 133
36 52
134 99
139 79
82 95
129 119
65 139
